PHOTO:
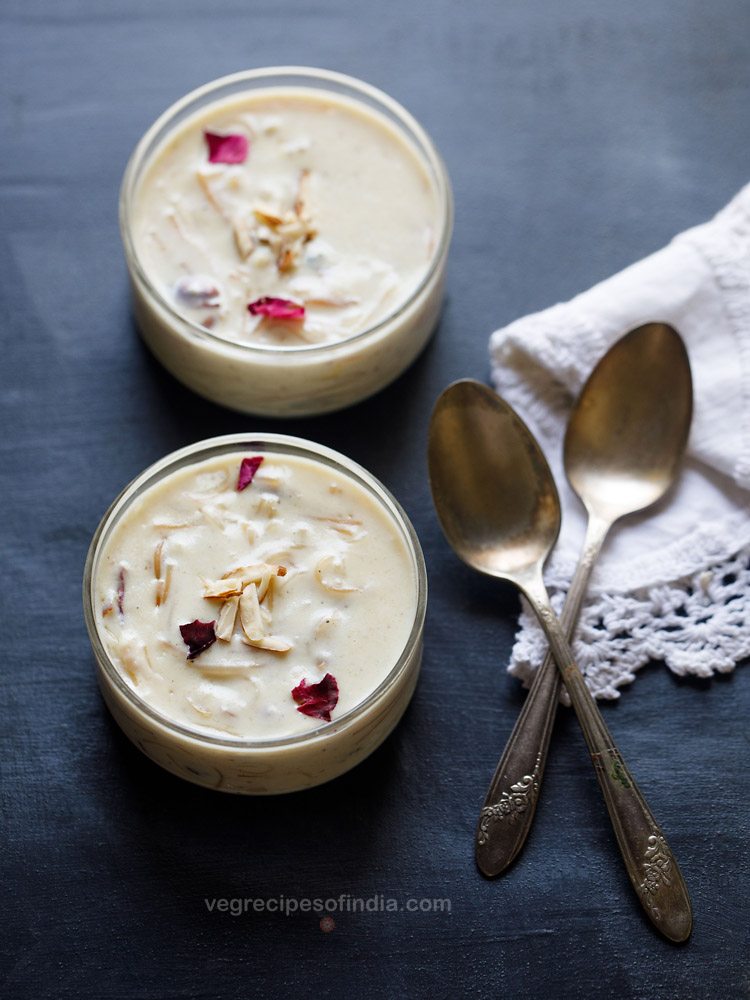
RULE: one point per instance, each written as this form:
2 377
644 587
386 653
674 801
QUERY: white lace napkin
671 585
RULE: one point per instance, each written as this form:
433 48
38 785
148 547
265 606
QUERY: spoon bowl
494 493
627 432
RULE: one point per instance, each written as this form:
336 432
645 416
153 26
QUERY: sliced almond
268 218
330 302
162 586
286 260
272 643
208 191
215 516
330 575
250 617
255 573
303 193
200 709
223 588
267 504
157 559
216 671
265 583
177 525
227 617
244 239
248 574
133 660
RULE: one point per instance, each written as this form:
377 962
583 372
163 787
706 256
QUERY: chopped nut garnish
339 520
211 198
330 574
349 527
227 618
267 218
265 583
206 713
214 516
303 193
254 574
219 670
162 586
223 588
286 260
252 623
267 504
157 559
271 643
133 659
178 525
244 239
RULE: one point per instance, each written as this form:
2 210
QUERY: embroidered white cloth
671 584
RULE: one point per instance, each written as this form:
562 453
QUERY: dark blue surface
580 136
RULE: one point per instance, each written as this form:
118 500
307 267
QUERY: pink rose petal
231 148
276 308
198 636
248 468
317 700
198 291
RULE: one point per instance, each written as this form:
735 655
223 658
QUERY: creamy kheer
286 195
286 232
294 576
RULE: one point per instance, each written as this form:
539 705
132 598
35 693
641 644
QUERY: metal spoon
623 446
499 509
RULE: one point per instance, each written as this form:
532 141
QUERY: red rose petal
276 308
121 591
198 636
317 700
231 148
248 468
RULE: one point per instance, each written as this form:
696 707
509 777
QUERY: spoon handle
510 805
651 866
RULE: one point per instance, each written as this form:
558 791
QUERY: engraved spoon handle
510 804
651 866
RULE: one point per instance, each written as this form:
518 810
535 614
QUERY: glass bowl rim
404 120
211 447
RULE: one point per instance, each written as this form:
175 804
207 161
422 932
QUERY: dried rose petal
231 148
317 700
276 308
198 292
248 468
198 636
121 591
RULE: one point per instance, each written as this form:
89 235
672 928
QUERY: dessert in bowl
286 232
256 608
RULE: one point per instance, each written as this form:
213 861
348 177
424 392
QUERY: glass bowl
239 764
271 380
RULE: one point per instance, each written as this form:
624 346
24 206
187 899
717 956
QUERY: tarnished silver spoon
499 508
624 443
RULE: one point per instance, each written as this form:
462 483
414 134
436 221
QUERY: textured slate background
580 136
